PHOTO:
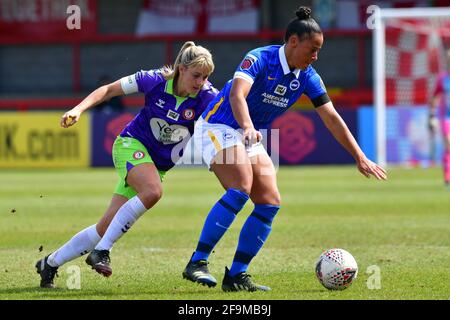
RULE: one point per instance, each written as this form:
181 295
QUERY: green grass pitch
400 227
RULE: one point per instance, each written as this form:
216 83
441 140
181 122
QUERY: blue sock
253 235
218 221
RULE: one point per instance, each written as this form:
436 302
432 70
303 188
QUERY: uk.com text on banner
36 140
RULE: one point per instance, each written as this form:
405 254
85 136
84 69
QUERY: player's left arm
243 80
315 89
334 122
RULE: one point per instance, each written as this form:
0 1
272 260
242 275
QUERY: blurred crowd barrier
36 140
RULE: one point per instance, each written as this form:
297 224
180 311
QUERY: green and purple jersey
166 123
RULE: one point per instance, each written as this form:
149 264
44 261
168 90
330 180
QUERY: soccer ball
336 269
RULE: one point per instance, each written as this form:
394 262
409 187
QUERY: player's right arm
103 93
243 79
238 94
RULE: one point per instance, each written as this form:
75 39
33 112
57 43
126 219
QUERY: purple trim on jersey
162 124
129 166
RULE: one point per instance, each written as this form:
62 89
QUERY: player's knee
151 196
276 199
101 228
273 198
245 186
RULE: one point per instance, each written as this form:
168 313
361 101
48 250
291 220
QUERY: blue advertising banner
366 131
301 138
105 128
304 139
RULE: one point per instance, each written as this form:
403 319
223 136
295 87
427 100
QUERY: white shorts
210 138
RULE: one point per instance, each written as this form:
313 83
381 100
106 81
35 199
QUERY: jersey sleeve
141 81
316 91
249 67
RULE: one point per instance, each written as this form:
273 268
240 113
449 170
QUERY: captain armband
321 100
129 84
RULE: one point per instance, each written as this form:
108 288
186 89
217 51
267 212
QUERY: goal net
409 54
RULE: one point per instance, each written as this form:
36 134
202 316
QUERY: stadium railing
350 98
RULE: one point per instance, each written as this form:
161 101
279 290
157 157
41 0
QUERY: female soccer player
441 101
142 153
268 81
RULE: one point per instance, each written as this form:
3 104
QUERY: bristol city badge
188 114
138 155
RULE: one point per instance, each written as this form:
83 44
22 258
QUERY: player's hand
70 118
368 168
251 136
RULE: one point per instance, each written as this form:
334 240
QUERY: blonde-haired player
142 153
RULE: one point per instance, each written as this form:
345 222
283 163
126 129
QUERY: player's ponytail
189 55
303 25
303 13
182 51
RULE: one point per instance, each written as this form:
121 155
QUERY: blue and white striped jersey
274 89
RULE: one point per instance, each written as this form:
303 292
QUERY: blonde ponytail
189 55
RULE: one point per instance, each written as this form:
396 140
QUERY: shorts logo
138 155
188 114
248 62
294 85
227 135
126 142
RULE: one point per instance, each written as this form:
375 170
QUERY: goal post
381 19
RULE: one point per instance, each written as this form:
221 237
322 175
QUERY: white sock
123 220
80 244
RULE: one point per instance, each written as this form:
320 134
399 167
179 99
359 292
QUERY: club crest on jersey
280 90
172 115
294 85
248 62
188 114
138 155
